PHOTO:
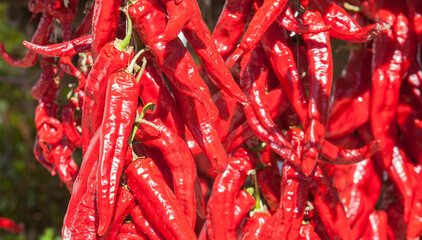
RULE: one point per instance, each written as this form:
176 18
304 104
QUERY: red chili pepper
113 57
67 66
154 90
179 15
39 37
119 114
259 24
104 24
85 221
42 156
254 225
145 224
172 57
230 25
123 236
50 129
158 202
125 202
69 48
11 226
318 50
64 164
329 206
414 226
199 37
225 188
179 159
46 79
388 70
89 163
377 227
351 95
414 10
344 27
288 21
69 128
130 228
307 232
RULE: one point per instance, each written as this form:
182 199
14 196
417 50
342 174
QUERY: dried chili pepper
69 48
144 224
46 79
254 225
158 202
179 14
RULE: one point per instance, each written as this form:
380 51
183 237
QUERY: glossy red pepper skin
261 21
179 15
119 114
105 20
230 26
414 226
179 159
414 9
225 189
144 224
109 61
154 90
85 220
351 93
89 163
69 48
126 202
49 128
130 228
307 232
199 37
158 202
172 57
39 37
318 50
329 205
254 225
377 227
64 164
126 236
388 70
344 27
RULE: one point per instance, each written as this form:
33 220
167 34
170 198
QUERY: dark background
28 193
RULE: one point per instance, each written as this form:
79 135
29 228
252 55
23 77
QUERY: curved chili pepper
179 159
89 165
388 70
86 22
145 224
225 189
339 155
179 15
119 113
259 24
329 205
69 48
199 37
288 21
50 129
130 227
351 95
148 186
154 90
39 37
67 66
64 164
104 24
69 127
42 156
50 70
344 27
230 25
126 202
318 50
172 57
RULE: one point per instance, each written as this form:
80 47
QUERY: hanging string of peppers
256 140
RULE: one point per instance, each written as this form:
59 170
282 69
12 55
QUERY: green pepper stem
122 45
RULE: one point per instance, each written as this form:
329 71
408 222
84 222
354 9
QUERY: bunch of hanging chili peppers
256 141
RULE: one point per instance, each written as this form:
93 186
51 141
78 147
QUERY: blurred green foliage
28 192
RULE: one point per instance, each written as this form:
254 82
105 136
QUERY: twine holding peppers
276 152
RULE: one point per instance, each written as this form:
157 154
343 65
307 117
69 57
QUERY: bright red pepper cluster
289 153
